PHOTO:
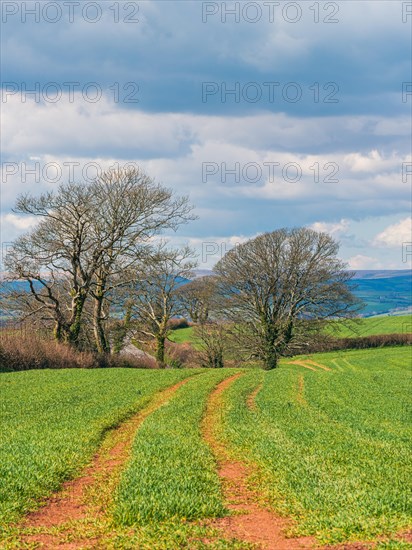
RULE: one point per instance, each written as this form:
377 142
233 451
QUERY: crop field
370 326
52 422
322 442
385 324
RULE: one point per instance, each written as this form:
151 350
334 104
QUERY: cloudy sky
268 114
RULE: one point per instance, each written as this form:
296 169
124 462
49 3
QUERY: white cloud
361 261
373 162
22 223
334 229
395 235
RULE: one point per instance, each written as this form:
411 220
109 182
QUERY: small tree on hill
212 341
197 298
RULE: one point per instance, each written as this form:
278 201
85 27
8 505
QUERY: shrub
180 355
20 352
363 342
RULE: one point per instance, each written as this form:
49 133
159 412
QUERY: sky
267 114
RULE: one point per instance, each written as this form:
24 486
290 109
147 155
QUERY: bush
20 352
363 342
180 355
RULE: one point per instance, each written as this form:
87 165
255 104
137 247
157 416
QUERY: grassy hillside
362 327
326 438
375 325
332 446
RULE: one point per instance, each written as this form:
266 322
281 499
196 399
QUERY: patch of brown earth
251 401
301 364
406 536
301 391
310 362
249 522
70 504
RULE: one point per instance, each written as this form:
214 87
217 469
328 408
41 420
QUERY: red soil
249 522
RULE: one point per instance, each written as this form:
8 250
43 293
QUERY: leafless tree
198 298
87 237
133 210
154 295
56 255
279 289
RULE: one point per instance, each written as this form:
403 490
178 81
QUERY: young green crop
370 326
172 473
181 335
332 447
52 422
362 327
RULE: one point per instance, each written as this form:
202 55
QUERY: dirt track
72 504
249 522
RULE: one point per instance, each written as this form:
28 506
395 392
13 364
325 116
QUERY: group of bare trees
93 257
90 241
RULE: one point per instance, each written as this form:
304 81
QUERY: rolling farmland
322 441
362 327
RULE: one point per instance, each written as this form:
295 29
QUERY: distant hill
383 291
382 274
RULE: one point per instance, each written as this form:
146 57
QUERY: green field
181 335
53 421
333 446
327 448
386 324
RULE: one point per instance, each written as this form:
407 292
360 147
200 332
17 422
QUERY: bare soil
248 521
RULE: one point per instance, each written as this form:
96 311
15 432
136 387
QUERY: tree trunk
102 344
73 333
160 350
271 361
58 331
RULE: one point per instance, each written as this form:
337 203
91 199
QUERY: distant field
181 335
362 327
376 325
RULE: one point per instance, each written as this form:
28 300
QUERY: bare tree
87 237
197 298
211 338
154 295
56 255
133 210
279 289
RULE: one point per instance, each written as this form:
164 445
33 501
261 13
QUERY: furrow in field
71 505
301 364
251 402
249 522
315 364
